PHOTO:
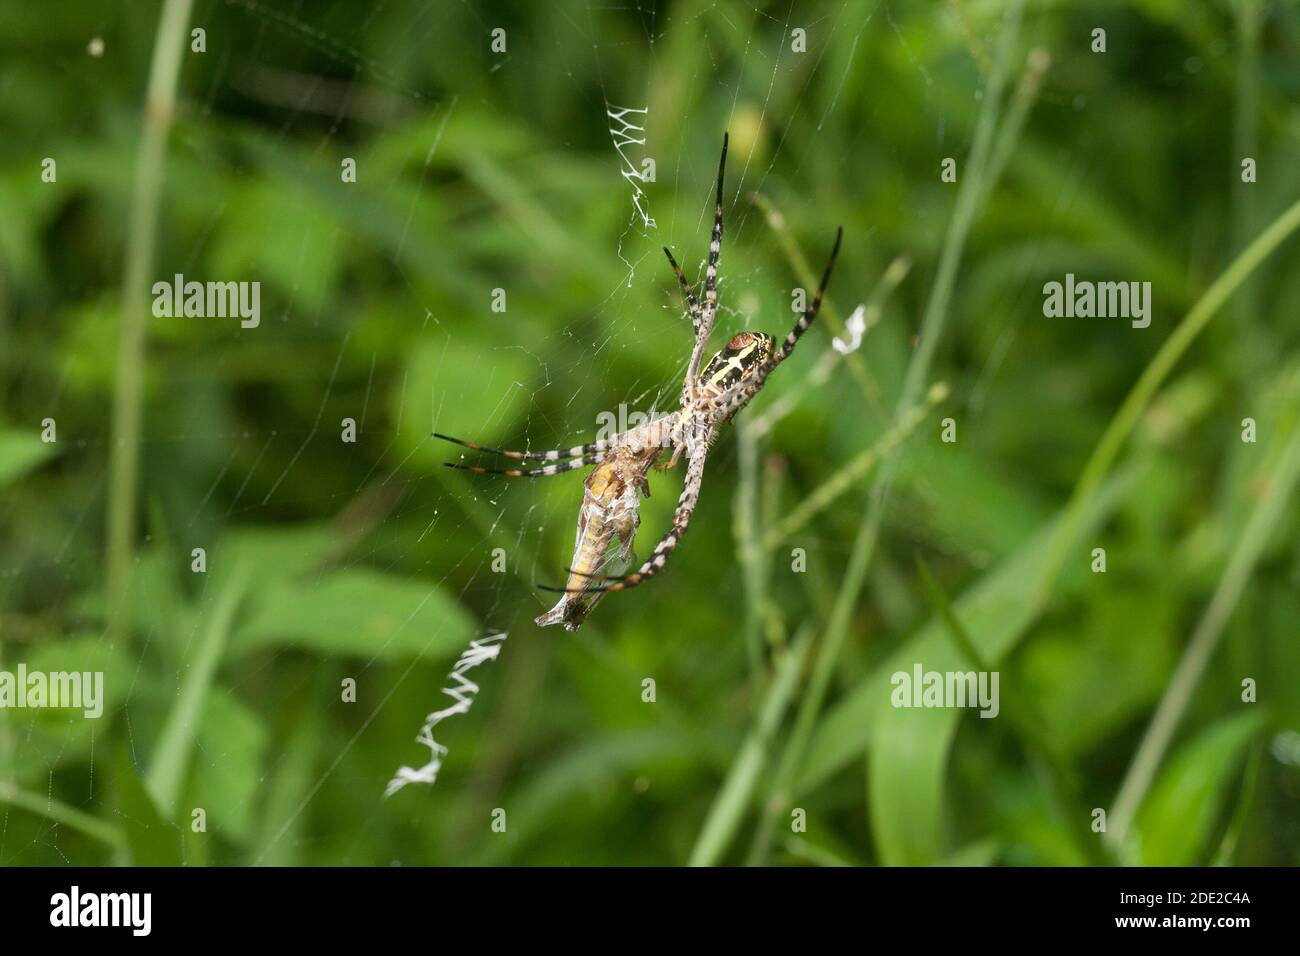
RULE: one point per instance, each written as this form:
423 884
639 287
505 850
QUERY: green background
770 737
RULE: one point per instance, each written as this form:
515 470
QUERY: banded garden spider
729 382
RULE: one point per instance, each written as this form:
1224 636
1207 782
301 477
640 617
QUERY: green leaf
358 612
1174 825
1028 822
589 766
20 452
91 653
443 390
284 226
47 738
228 764
151 840
980 853
158 607
1088 678
905 776
290 781
273 553
981 510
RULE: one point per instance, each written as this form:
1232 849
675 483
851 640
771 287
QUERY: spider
710 398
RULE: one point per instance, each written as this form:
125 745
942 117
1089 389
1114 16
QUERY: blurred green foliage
479 171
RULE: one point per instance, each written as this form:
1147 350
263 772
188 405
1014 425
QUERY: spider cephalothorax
609 514
744 355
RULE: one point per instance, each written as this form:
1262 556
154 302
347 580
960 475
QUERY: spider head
738 360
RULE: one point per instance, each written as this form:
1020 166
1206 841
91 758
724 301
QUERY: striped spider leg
582 455
692 303
703 317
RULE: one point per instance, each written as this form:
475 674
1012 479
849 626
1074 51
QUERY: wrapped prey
607 524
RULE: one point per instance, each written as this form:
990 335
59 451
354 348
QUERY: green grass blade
21 452
151 840
897 790
171 757
749 555
845 478
1259 529
1174 825
62 814
737 790
1240 815
1121 426
997 613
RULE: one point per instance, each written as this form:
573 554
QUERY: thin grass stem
141 240
61 813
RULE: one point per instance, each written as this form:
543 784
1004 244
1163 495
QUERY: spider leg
557 469
810 313
724 406
692 303
555 454
710 312
715 242
686 503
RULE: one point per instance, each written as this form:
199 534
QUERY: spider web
618 131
